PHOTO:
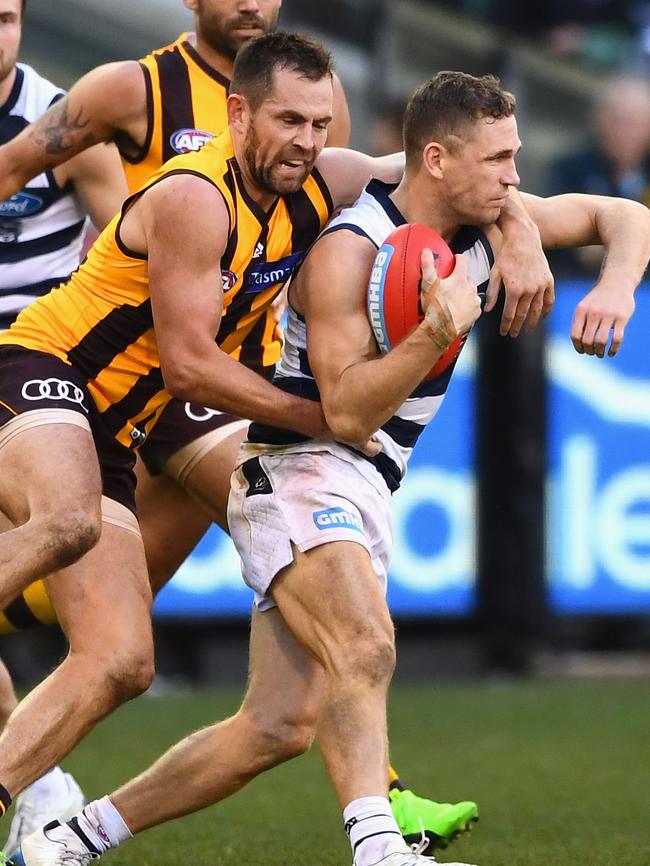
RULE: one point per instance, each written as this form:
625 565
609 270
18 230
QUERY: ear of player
394 304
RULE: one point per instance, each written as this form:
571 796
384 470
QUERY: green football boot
440 823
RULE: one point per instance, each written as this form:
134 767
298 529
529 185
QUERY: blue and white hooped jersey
375 216
42 226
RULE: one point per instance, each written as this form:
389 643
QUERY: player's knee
371 655
130 674
69 535
284 735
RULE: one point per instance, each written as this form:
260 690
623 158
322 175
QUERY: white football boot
34 808
408 858
56 844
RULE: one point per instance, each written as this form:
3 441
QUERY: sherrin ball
394 307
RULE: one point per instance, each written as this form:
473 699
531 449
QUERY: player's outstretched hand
530 293
601 313
451 305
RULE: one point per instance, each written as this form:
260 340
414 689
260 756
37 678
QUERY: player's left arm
338 132
623 228
522 268
98 180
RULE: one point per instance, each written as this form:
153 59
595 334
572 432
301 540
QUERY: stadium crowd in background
614 159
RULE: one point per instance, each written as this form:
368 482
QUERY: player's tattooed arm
62 131
104 102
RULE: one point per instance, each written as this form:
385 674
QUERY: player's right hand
451 305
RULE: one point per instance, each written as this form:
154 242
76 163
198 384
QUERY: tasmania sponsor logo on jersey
337 518
266 274
186 140
21 205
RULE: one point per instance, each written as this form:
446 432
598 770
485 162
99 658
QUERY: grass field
560 772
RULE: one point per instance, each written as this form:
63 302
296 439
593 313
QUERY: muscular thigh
209 480
174 516
171 521
330 597
47 468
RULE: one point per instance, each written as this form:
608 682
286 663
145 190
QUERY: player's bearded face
225 28
274 168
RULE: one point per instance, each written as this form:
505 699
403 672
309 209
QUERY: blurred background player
173 101
42 230
613 160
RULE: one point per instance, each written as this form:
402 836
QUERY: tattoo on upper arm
59 133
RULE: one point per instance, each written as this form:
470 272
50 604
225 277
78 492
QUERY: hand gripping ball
394 305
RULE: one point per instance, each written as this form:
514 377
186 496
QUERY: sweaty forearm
368 394
220 382
624 229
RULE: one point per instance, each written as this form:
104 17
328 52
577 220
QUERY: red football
394 287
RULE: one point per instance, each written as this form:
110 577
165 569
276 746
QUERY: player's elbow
641 215
12 178
348 426
182 377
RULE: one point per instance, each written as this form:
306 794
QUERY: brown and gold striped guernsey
100 321
186 106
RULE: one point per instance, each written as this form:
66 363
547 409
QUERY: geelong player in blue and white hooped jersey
41 235
311 518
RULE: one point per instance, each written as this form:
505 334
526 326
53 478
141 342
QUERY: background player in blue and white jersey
42 227
321 618
42 230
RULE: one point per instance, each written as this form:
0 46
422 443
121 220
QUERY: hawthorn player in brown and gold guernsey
200 251
171 101
186 106
101 320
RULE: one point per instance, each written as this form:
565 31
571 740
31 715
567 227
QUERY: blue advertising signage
599 463
598 521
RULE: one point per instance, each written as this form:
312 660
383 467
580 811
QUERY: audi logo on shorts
203 413
53 389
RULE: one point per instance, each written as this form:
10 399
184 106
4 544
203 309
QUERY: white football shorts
308 497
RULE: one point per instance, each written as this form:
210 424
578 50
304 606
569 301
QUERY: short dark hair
445 108
259 58
23 7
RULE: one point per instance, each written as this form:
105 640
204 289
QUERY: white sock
102 824
372 830
49 784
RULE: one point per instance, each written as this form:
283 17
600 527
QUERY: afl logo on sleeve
186 140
